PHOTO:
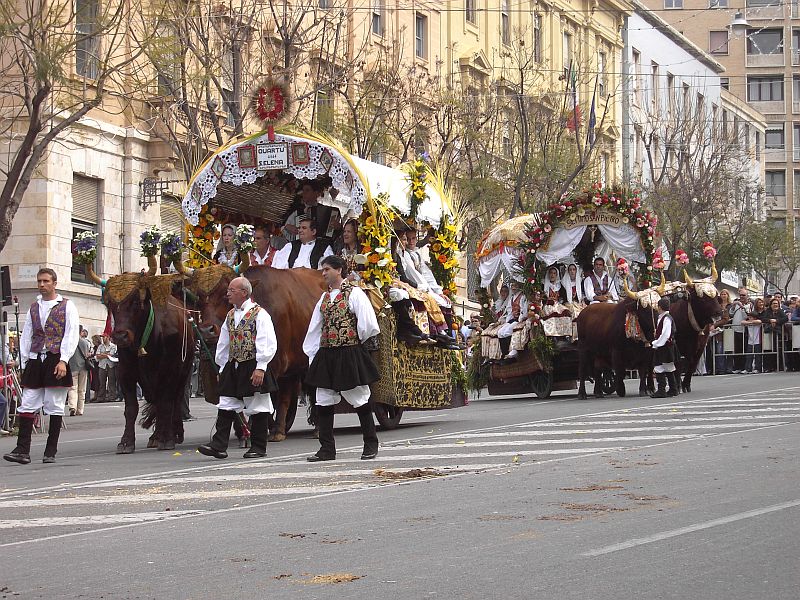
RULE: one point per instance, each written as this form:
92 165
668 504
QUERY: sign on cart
272 156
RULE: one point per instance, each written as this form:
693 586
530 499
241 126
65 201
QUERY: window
537 38
87 42
85 202
505 22
421 36
377 17
566 51
701 105
421 141
774 139
717 3
470 11
171 214
654 93
765 41
673 3
602 61
751 3
718 42
765 89
796 91
637 77
796 46
324 109
724 83
796 141
757 144
603 169
324 4
166 61
775 183
672 93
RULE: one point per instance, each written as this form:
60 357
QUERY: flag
574 117
592 117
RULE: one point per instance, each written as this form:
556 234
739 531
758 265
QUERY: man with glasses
738 311
247 343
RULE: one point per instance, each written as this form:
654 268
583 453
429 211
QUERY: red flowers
270 103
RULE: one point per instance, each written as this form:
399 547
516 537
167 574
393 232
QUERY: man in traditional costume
264 251
340 366
49 339
306 251
515 316
247 343
328 218
598 286
664 352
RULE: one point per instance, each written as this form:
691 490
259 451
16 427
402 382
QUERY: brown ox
602 339
159 361
289 295
693 310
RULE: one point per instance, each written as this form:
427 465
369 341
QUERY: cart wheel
388 416
542 383
291 413
607 382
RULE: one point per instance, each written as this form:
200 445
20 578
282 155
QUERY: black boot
368 432
22 453
673 384
219 443
259 432
327 450
50 449
407 330
661 392
505 345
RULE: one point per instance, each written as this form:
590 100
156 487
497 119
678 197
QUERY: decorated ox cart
528 251
255 180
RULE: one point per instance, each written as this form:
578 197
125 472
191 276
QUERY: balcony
775 155
765 60
770 107
765 13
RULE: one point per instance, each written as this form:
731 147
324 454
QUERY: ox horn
687 279
628 291
152 265
180 267
93 276
663 286
714 274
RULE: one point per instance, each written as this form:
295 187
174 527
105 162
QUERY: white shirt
411 272
266 340
71 330
359 305
523 308
666 330
259 260
588 287
281 259
105 363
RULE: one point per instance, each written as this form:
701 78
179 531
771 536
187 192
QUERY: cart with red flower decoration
599 222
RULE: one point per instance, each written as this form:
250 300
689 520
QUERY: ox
602 338
289 295
155 344
693 310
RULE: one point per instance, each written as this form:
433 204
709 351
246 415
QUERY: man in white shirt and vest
306 251
598 286
664 352
49 339
247 343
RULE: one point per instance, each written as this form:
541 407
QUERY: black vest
316 253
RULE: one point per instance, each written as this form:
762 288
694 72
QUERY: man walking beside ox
49 339
340 366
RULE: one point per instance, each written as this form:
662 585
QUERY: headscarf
551 285
568 284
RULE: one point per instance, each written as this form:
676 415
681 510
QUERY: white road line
664 535
676 411
494 434
632 438
673 420
96 519
732 405
510 454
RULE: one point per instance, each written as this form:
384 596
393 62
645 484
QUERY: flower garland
443 249
622 267
84 247
201 238
626 203
658 261
171 246
244 238
418 175
709 251
376 233
150 240
681 257
271 101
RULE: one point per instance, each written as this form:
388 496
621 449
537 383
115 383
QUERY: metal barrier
756 349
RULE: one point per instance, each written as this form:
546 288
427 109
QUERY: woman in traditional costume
490 345
348 246
574 290
226 253
556 317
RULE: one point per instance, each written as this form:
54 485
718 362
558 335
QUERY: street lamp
739 24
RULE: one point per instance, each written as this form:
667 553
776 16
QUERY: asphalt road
696 496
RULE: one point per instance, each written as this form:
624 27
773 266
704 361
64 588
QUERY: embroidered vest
48 338
316 253
339 325
574 296
553 294
243 335
515 305
601 286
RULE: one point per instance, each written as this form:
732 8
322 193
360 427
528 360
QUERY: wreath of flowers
150 241
271 101
171 246
375 232
244 238
418 175
84 247
627 203
443 249
201 238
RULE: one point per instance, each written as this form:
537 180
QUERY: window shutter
171 215
85 198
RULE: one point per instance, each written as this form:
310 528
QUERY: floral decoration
443 249
375 233
681 257
622 267
171 245
658 261
709 251
150 240
201 238
418 175
244 238
270 101
626 203
84 247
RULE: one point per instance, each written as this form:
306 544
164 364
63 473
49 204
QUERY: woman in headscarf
574 290
490 344
226 250
556 317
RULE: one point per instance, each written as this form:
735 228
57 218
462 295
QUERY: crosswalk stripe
646 411
491 434
672 420
96 519
636 438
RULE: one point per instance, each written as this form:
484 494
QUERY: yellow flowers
375 232
444 263
200 242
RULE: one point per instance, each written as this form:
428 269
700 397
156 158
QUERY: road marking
132 518
675 420
646 411
577 440
664 535
494 434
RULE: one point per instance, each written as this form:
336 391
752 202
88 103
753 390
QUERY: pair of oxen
603 341
154 319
